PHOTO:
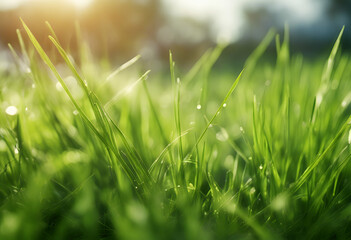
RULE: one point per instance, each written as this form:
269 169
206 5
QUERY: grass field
92 152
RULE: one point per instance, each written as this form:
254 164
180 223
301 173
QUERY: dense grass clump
91 153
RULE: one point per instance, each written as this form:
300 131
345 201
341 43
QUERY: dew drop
33 85
222 135
198 107
260 167
59 87
224 105
11 110
75 112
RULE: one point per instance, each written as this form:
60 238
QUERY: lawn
91 151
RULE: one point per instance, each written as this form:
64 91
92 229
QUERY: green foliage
91 153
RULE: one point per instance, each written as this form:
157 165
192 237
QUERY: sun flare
80 4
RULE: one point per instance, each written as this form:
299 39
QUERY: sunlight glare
11 4
81 4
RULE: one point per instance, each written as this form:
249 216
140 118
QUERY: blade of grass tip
258 52
52 31
314 164
215 54
330 63
126 90
15 55
22 45
122 67
196 68
231 90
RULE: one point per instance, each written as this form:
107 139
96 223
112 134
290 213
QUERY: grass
90 152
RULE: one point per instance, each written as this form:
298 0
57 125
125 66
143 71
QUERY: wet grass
89 152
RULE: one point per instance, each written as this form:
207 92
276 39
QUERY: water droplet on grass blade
198 107
75 112
260 167
224 105
242 130
349 139
222 135
59 87
11 110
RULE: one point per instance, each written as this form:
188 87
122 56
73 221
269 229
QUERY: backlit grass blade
330 62
122 67
231 90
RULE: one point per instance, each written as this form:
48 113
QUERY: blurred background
121 29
